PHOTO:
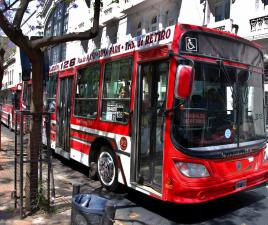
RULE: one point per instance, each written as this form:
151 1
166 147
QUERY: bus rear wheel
107 169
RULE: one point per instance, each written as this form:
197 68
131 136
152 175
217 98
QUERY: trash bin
87 209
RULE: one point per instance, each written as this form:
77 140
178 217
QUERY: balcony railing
224 25
112 12
259 23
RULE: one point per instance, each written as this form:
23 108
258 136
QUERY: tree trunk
2 54
35 140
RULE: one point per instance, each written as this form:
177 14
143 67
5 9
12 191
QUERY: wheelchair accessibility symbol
191 44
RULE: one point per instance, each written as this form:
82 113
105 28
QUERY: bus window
116 90
223 108
2 98
86 96
16 99
9 97
51 93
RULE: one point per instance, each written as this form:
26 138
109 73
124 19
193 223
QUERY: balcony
110 13
258 27
135 6
260 23
224 25
127 4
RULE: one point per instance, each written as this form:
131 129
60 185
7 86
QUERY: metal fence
22 159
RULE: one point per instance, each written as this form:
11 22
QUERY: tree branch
96 18
14 34
88 3
20 12
8 7
86 35
47 41
5 4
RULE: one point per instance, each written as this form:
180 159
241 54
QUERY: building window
57 24
139 31
170 18
222 10
265 2
111 31
154 23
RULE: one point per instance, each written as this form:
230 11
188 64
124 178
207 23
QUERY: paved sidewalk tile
8 214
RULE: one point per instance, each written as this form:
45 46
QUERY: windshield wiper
235 94
228 81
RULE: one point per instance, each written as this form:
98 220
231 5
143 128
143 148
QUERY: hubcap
106 168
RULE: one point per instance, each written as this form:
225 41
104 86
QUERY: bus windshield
225 108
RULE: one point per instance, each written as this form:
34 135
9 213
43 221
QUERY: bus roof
221 33
145 41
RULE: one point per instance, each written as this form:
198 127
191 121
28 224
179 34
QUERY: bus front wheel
107 169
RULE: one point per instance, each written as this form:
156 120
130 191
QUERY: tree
33 48
2 54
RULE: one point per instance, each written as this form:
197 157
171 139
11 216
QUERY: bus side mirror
184 81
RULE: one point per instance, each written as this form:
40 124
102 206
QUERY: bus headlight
192 170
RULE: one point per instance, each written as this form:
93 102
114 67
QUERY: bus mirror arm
171 110
167 112
180 58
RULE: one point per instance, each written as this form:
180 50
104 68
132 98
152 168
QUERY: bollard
109 213
76 189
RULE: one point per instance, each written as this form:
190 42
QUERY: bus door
151 105
64 114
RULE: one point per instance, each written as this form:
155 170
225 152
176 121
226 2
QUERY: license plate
241 184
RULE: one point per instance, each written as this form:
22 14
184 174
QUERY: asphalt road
245 208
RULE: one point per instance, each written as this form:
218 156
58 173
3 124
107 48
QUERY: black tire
107 169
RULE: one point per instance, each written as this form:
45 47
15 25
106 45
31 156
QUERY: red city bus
10 101
176 114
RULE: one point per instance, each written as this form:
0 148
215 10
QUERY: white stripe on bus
114 136
79 156
80 141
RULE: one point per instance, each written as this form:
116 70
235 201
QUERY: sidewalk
67 173
8 214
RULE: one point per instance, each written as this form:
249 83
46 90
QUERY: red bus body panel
225 177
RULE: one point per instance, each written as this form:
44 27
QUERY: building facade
118 21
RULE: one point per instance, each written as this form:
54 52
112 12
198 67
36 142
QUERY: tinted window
51 93
87 87
116 90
